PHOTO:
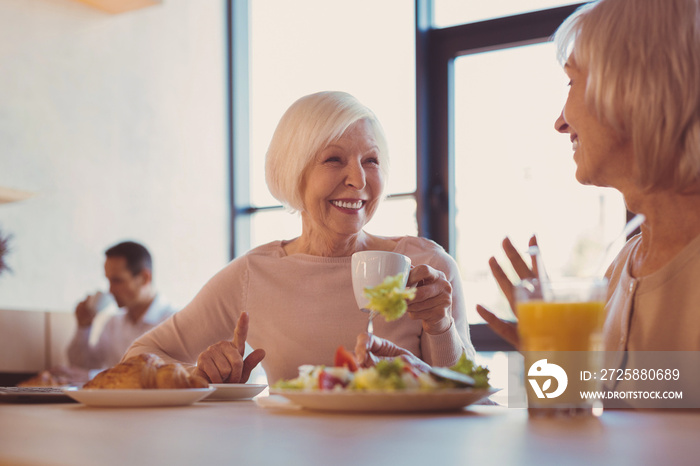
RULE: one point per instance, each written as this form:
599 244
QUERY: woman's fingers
249 363
503 281
363 355
505 329
221 362
207 369
431 295
433 301
533 244
240 334
433 311
370 349
519 265
421 275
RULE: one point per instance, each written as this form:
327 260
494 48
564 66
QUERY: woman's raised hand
506 329
223 362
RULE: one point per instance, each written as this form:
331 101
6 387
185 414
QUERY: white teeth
348 205
574 144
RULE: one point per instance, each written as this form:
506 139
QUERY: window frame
238 109
436 51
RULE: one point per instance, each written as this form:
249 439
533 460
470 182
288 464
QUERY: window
301 47
474 156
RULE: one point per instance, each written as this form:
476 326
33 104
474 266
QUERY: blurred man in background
129 269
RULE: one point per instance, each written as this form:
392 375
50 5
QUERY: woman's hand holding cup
433 301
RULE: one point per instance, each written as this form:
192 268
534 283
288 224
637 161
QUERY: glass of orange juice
560 324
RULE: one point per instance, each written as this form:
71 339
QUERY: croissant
146 371
42 379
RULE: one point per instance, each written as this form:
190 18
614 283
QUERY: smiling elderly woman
327 160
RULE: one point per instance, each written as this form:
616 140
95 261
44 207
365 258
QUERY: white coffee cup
370 268
101 300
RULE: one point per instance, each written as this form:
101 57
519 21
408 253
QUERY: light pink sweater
301 309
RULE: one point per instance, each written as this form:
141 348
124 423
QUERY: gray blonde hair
643 63
306 128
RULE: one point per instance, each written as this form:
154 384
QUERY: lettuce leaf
480 374
389 297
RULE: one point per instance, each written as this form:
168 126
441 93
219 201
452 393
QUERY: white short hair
306 128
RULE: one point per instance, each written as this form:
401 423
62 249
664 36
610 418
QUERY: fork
370 325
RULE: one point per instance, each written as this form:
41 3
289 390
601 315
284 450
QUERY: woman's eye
372 161
332 159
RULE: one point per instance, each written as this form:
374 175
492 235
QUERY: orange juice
561 326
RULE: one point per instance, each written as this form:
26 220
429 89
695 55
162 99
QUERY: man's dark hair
137 256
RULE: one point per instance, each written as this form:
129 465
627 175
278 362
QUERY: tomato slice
410 370
344 358
327 381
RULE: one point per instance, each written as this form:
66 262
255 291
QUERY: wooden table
240 432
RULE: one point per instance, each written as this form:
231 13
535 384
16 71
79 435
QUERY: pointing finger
241 333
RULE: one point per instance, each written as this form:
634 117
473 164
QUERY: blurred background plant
4 248
8 195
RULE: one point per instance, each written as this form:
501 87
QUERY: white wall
118 123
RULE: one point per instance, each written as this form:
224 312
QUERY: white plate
399 401
127 398
234 391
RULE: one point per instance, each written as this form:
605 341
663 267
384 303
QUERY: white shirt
116 337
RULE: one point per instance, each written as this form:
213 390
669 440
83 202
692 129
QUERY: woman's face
343 184
602 156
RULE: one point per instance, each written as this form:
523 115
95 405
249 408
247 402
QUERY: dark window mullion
239 132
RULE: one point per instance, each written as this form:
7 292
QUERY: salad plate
384 401
129 398
234 391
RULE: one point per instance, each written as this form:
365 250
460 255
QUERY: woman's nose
561 125
356 176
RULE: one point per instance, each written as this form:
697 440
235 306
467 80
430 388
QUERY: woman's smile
574 142
348 205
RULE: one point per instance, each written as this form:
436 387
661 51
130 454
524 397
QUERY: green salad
480 374
389 297
387 375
